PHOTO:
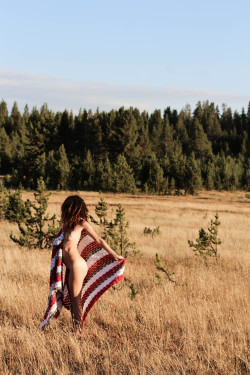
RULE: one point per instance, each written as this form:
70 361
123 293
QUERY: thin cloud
35 90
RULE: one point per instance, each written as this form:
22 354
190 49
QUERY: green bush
153 231
16 210
114 231
206 244
37 229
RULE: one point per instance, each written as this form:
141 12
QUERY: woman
74 214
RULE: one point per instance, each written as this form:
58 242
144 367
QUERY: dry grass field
198 328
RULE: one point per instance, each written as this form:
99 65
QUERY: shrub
16 210
153 231
207 243
114 231
133 291
163 268
37 229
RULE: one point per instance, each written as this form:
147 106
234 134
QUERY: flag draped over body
103 272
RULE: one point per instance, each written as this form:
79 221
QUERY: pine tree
207 243
172 186
153 231
41 165
226 118
6 152
199 143
88 172
15 119
34 156
123 176
152 174
133 291
96 141
63 169
3 200
124 134
26 114
166 141
108 183
176 169
208 172
103 176
113 231
64 130
172 115
119 235
101 211
246 174
215 131
16 210
155 130
99 172
193 180
3 113
164 268
51 168
244 146
143 139
183 122
198 112
210 177
37 229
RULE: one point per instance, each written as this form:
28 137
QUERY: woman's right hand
118 257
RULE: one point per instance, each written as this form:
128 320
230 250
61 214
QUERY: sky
105 54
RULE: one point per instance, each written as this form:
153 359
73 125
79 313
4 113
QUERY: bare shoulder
85 224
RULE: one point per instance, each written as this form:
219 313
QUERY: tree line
126 150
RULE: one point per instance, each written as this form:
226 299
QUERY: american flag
103 272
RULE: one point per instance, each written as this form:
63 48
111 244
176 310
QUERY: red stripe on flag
98 264
100 280
98 295
90 247
55 278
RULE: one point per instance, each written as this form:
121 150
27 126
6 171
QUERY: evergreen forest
126 150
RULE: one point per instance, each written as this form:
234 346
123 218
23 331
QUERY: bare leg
77 274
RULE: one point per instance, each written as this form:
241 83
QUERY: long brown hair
73 211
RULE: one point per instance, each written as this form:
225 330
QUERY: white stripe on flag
96 256
84 242
58 240
54 260
100 273
55 285
100 287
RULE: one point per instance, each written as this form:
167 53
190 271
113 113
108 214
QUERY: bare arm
90 231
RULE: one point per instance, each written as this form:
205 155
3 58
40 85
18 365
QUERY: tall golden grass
201 327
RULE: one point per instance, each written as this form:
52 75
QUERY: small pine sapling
37 229
153 231
207 243
16 210
114 231
133 291
164 268
101 211
119 228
